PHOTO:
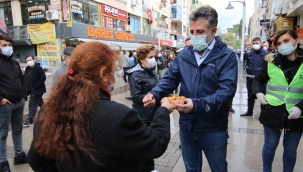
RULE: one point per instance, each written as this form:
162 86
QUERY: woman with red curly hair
81 130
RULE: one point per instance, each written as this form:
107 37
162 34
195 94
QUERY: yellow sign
69 24
49 51
41 33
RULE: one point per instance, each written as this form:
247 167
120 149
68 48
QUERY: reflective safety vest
278 90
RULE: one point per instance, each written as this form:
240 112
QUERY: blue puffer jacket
210 85
255 61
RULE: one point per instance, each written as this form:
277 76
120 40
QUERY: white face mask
151 63
256 46
286 49
8 51
265 48
30 63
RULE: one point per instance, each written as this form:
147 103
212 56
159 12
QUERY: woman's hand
169 107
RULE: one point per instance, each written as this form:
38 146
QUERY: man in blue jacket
35 78
207 72
255 62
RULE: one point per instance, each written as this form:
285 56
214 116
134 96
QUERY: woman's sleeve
260 79
136 140
135 85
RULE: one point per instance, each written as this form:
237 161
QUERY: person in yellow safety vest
282 105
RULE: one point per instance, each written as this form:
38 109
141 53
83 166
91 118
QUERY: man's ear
103 75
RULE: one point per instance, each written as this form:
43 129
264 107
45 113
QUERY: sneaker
4 167
128 98
20 159
27 124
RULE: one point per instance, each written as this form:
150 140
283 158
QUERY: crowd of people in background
79 128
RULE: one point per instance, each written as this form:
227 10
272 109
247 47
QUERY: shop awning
116 45
105 42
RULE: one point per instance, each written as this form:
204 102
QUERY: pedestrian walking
207 72
81 129
254 63
132 61
125 64
64 65
142 78
283 103
13 94
35 79
161 65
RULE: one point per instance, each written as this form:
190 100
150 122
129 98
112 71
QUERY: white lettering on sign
110 10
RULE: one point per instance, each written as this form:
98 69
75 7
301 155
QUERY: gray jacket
62 69
125 60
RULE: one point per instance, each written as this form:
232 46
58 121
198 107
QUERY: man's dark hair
30 56
207 12
256 39
187 39
6 38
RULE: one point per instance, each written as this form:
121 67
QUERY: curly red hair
62 128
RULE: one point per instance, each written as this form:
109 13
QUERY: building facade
161 22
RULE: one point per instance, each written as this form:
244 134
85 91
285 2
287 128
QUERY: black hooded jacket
12 80
141 81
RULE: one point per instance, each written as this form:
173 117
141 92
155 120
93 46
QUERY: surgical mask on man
111 87
30 63
199 42
151 63
8 51
286 49
256 47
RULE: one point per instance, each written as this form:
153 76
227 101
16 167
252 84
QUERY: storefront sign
264 22
109 34
36 12
48 51
165 43
54 7
65 10
112 12
41 33
282 23
76 7
150 16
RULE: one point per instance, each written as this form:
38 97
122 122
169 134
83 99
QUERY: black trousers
34 102
124 75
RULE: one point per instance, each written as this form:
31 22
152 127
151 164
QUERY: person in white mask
142 78
207 74
282 105
35 79
255 61
13 95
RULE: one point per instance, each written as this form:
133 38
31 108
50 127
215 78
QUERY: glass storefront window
146 28
33 11
82 12
93 15
6 13
134 23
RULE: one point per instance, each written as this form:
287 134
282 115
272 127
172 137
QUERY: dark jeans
250 96
213 144
34 102
124 75
291 141
11 113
